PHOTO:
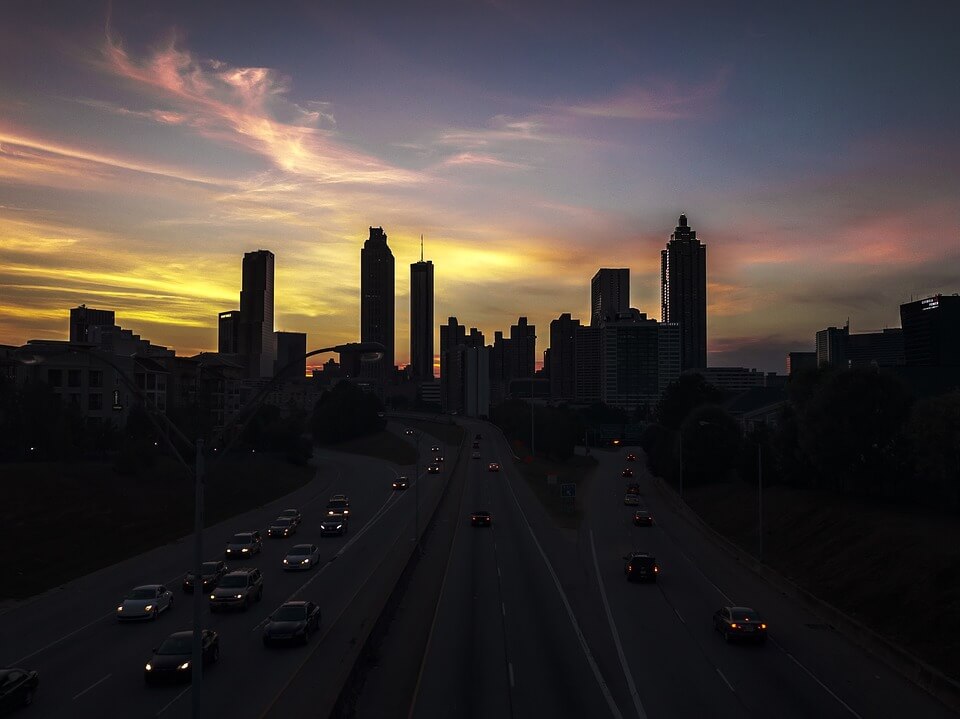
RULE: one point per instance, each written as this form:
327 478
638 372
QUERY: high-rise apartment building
256 314
931 331
609 294
561 360
228 332
832 346
587 352
421 318
799 361
377 301
82 318
522 350
683 292
291 348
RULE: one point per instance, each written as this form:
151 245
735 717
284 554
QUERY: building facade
378 302
683 292
799 361
228 332
256 337
560 360
291 348
82 318
609 294
931 331
421 319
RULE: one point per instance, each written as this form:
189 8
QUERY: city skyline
139 159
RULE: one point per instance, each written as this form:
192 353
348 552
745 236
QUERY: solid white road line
172 702
510 668
604 689
634 694
812 676
99 681
503 608
726 681
678 615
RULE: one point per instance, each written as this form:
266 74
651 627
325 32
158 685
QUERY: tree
682 397
711 445
345 412
933 431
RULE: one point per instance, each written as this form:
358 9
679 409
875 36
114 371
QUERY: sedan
333 525
434 469
435 449
211 573
438 458
631 458
475 455
481 519
627 472
631 499
493 467
145 602
642 518
282 527
293 514
408 432
17 687
740 623
302 556
243 544
401 482
171 660
292 622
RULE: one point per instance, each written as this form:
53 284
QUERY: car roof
295 603
481 511
243 534
742 609
181 635
242 570
640 555
147 586
299 546
291 509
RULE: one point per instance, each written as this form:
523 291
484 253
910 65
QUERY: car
408 432
740 623
435 449
481 518
171 660
631 499
475 455
293 514
339 498
401 482
338 507
302 556
476 445
145 602
210 575
642 518
292 622
633 488
243 544
282 527
627 472
438 459
493 467
631 458
433 469
479 436
641 567
333 525
17 687
237 590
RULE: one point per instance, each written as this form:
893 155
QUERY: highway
517 598
92 666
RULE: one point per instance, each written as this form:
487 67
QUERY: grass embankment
64 520
381 445
444 430
895 569
577 470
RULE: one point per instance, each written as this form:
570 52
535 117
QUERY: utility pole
416 497
680 436
760 497
533 451
198 593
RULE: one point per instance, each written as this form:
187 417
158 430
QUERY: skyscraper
522 350
561 364
421 318
82 318
931 331
228 332
609 294
291 348
683 292
257 341
377 301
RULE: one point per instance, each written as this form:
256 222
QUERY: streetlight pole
198 592
680 439
533 450
760 498
416 496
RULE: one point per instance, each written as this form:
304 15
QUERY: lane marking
99 681
812 676
172 701
64 637
503 608
726 681
510 668
604 689
634 694
678 615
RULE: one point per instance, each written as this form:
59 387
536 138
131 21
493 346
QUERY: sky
145 146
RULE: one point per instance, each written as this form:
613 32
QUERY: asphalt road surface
92 666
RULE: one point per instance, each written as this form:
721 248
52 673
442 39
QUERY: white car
302 556
145 602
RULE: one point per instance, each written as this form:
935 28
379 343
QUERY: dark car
631 458
433 469
17 687
292 622
408 432
479 436
438 458
293 514
211 574
641 567
642 518
333 525
338 508
435 449
627 472
171 660
476 445
282 527
740 623
237 590
493 467
243 544
481 519
401 482
633 488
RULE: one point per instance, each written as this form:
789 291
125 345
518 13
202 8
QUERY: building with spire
683 292
377 301
421 318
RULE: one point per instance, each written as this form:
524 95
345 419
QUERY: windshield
237 580
209 567
739 616
290 614
142 593
242 539
288 513
176 645
336 504
283 522
299 550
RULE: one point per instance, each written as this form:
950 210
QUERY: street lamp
416 497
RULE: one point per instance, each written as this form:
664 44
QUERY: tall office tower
475 338
377 301
82 318
421 318
876 349
291 348
931 331
832 346
683 292
587 348
522 349
799 361
561 363
452 335
630 361
256 314
609 294
228 332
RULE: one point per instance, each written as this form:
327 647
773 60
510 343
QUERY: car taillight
733 626
656 569
763 626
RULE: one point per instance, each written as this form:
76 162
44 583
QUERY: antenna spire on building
421 247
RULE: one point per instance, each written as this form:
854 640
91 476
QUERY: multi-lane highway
535 621
91 666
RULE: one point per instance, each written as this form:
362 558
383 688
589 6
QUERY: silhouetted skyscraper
931 331
377 300
421 318
228 332
291 348
562 361
522 350
257 341
683 292
609 294
82 318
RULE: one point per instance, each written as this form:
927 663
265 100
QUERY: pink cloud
474 159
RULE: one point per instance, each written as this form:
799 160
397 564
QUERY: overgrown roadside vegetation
99 517
862 557
382 445
577 470
447 432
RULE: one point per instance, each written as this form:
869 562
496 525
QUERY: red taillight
763 626
656 569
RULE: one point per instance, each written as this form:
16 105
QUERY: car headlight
239 596
330 513
229 550
244 550
339 526
212 596
120 608
305 561
148 668
286 562
148 608
185 665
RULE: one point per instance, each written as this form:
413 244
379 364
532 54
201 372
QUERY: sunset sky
145 146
